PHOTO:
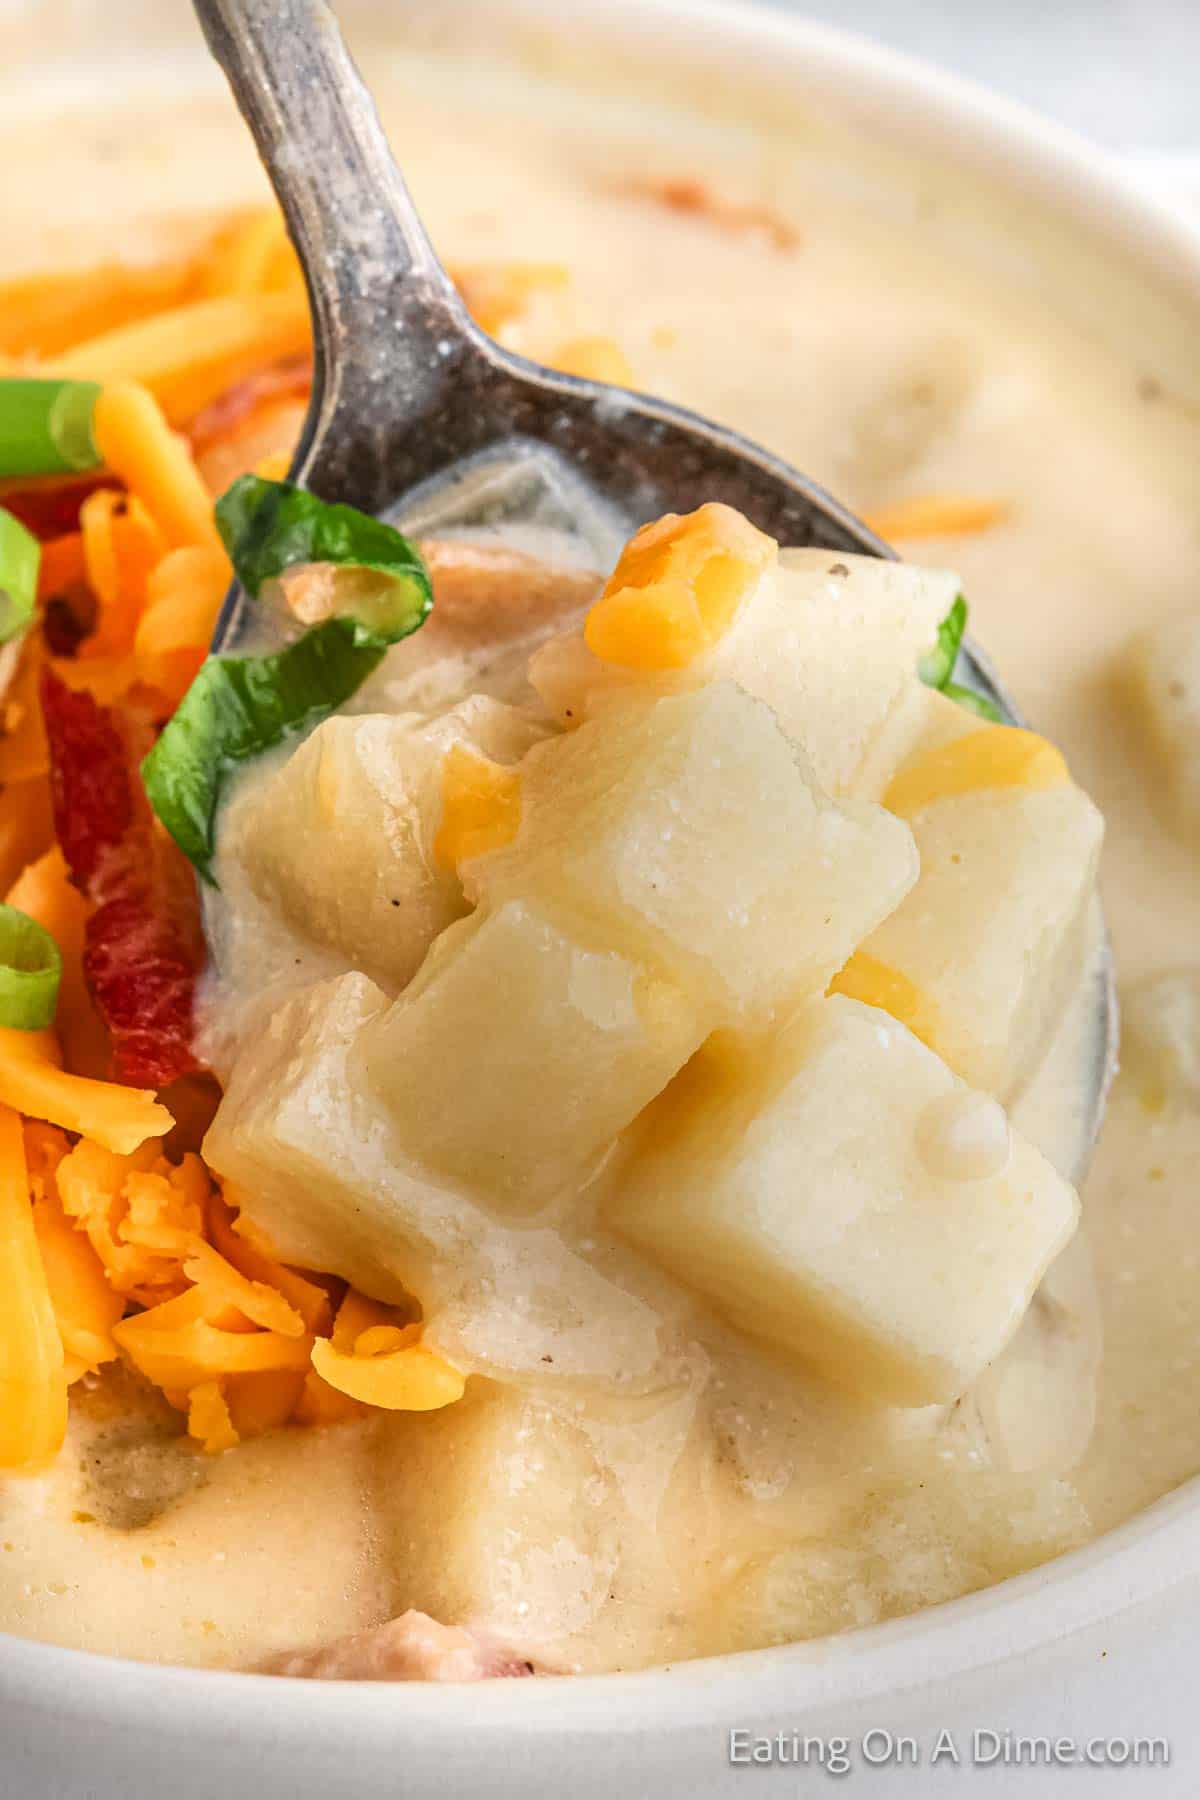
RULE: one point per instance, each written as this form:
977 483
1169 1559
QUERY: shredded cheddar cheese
24 753
45 892
33 1081
86 1307
33 1373
189 355
876 983
155 463
481 807
252 255
936 515
677 589
209 1420
412 1378
996 756
594 359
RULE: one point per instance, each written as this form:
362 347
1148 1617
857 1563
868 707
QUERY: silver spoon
417 415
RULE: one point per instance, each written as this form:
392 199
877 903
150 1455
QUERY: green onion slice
237 707
269 527
937 666
972 702
30 971
46 427
20 559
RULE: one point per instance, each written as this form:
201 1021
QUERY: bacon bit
936 515
413 1647
696 198
285 380
50 507
143 947
69 607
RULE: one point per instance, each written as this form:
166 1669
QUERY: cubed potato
1160 1038
339 838
835 654
830 642
1164 675
498 1515
589 1531
309 1150
839 1193
690 833
522 1050
992 935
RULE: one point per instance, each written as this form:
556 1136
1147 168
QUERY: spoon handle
385 315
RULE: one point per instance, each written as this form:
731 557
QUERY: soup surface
748 1507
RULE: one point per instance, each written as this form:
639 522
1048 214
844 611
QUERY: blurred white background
1126 72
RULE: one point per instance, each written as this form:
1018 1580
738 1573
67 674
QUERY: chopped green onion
271 526
972 702
46 427
237 707
30 971
20 559
937 665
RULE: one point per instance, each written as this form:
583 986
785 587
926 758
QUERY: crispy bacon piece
287 380
143 947
49 506
684 194
413 1647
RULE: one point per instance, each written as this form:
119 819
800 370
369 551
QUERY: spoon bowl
419 417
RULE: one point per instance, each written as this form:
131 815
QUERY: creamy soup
729 1502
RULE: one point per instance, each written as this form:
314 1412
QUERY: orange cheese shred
209 1420
46 893
183 597
937 515
481 807
377 1358
190 354
33 1081
677 588
155 463
411 1379
121 545
876 983
33 1375
995 756
24 752
86 1307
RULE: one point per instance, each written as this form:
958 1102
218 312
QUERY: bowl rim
1136 1562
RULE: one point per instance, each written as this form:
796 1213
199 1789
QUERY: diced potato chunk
481 807
1160 1037
308 1149
830 642
992 934
839 1193
1165 678
692 836
835 655
521 1051
498 1515
339 838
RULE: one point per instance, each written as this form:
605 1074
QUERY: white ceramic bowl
1097 1643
